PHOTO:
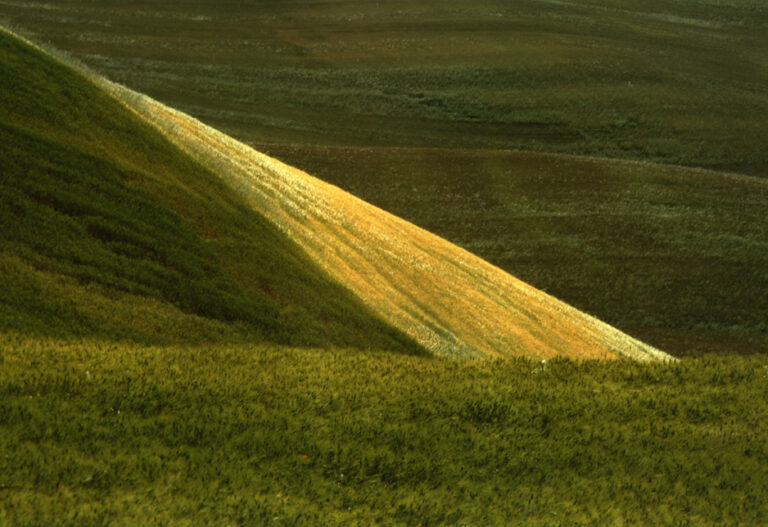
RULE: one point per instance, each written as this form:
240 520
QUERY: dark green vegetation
676 257
109 230
94 434
681 264
678 82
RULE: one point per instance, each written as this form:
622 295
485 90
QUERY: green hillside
447 299
109 230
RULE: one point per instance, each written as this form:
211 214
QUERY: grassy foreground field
93 433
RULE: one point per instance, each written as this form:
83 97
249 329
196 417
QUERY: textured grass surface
448 300
110 230
92 433
674 256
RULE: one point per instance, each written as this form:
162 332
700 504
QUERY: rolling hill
415 108
445 299
450 301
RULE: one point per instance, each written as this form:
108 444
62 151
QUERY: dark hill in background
108 230
676 82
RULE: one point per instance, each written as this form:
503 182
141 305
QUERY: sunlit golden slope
449 300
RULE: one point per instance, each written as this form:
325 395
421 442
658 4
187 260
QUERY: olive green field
98 433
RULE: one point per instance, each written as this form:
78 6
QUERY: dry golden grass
449 300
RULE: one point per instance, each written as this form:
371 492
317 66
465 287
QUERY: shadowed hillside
109 230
